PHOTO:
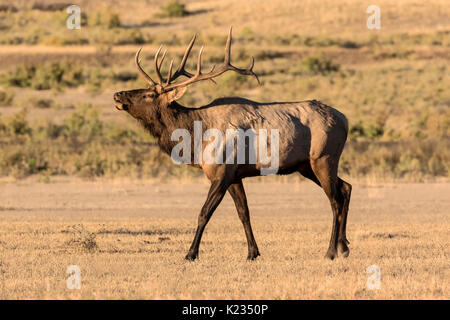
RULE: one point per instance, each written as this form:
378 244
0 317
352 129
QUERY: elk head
162 93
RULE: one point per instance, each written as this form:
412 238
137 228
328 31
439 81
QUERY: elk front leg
237 192
215 195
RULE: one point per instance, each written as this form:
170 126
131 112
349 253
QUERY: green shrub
248 34
24 162
320 65
6 98
104 18
348 44
8 8
91 164
18 125
174 9
128 36
370 131
20 77
53 131
124 76
50 6
50 75
43 103
95 80
82 126
56 75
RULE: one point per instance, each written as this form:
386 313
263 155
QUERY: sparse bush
20 77
50 6
56 75
6 98
173 9
320 65
268 55
82 126
124 76
91 164
248 34
104 18
370 131
348 44
53 131
43 103
18 125
81 238
8 8
22 162
95 80
129 36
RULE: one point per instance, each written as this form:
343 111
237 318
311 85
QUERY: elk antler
198 76
225 66
141 71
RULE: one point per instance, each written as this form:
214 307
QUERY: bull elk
311 139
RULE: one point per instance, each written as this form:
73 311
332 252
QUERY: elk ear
176 93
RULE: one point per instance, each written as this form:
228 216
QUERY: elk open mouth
121 106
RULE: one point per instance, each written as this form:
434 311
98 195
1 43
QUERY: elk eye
150 95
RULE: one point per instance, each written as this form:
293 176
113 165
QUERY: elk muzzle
120 101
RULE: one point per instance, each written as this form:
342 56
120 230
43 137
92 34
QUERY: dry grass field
129 240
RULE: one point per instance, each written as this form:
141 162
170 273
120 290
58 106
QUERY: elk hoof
191 256
343 248
331 254
252 256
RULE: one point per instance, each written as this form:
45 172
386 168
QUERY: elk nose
117 95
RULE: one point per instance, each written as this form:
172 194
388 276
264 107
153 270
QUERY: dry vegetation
57 121
129 240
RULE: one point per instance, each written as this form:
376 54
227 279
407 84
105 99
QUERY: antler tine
158 72
227 61
248 71
169 74
228 48
162 59
141 71
252 63
181 71
225 66
199 63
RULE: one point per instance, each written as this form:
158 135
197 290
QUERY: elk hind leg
346 190
306 171
325 169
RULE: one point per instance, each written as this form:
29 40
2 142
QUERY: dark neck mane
160 122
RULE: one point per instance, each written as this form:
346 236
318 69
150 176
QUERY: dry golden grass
141 232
